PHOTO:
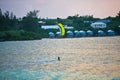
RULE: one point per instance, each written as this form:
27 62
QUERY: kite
62 29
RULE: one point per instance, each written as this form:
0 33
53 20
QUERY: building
51 35
104 20
58 35
89 33
41 23
55 27
82 33
110 33
101 33
98 25
76 33
70 34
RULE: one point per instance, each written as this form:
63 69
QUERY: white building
55 27
41 22
89 33
98 25
51 35
82 33
110 33
119 26
69 34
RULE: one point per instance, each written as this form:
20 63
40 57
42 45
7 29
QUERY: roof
104 20
98 23
55 27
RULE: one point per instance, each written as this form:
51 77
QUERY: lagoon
81 59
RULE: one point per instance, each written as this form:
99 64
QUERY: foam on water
30 62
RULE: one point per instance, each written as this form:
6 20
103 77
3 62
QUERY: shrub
19 35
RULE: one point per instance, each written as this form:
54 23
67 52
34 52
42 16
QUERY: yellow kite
62 29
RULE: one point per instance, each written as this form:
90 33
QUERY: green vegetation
19 35
28 28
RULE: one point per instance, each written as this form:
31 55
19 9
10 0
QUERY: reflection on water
81 58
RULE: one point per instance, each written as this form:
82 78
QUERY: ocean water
92 58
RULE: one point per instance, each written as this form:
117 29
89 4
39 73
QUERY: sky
62 8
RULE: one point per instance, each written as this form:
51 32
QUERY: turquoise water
24 74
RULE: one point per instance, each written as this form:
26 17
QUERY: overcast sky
62 8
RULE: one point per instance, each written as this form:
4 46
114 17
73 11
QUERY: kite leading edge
62 29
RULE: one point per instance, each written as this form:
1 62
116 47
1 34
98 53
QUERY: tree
30 21
33 14
118 15
8 21
115 22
